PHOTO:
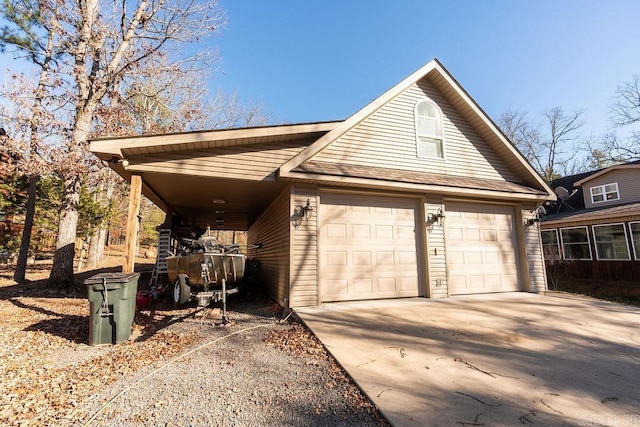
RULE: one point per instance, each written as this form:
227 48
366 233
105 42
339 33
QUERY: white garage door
481 248
367 247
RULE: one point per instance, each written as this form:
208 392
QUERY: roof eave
108 147
413 187
603 172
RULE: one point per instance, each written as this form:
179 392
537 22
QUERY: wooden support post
131 238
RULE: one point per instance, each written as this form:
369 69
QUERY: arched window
429 139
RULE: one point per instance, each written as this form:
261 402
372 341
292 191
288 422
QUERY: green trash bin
112 297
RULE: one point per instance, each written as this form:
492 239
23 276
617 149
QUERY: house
417 194
594 228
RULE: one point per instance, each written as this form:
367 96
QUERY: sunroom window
611 242
429 138
550 244
604 193
634 227
575 243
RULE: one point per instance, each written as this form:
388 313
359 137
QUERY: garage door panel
362 258
380 247
490 235
384 258
384 231
481 248
337 231
363 286
337 259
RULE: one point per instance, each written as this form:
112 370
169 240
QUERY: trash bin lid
111 278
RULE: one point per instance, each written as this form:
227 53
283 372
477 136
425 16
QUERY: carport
223 179
491 359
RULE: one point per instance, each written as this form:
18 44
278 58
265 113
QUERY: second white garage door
367 247
481 246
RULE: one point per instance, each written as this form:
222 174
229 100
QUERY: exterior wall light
300 213
115 160
436 218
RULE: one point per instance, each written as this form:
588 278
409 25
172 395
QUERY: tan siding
387 139
628 188
255 162
272 230
304 247
436 253
535 259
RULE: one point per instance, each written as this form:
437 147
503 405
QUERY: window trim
555 230
415 126
636 251
595 242
604 193
586 229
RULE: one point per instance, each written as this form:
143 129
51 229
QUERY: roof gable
632 165
432 78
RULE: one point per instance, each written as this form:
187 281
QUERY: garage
481 248
353 209
368 247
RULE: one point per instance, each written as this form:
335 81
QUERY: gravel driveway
256 371
180 368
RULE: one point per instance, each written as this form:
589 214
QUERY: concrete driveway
489 360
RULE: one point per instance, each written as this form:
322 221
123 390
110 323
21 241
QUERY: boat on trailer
206 270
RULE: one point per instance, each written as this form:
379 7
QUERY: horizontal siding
387 139
628 188
535 259
436 253
304 247
272 230
254 162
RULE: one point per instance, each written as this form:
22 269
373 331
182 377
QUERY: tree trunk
94 253
62 270
21 266
99 237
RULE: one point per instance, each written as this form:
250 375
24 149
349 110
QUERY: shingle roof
611 212
397 175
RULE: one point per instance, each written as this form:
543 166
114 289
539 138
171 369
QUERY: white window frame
544 255
436 137
586 229
604 192
636 251
626 240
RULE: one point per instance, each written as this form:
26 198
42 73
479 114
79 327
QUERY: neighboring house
595 231
416 194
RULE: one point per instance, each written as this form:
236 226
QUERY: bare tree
625 114
548 145
108 41
33 28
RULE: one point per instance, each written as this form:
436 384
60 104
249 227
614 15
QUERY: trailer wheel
181 290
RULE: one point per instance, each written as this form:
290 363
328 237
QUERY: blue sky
324 60
307 61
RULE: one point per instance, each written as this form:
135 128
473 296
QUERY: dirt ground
50 376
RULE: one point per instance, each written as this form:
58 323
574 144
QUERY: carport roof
190 195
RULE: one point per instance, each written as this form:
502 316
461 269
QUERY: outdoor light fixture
438 217
115 160
306 210
301 212
219 201
530 221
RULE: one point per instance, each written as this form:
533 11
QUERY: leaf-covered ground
50 375
47 369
